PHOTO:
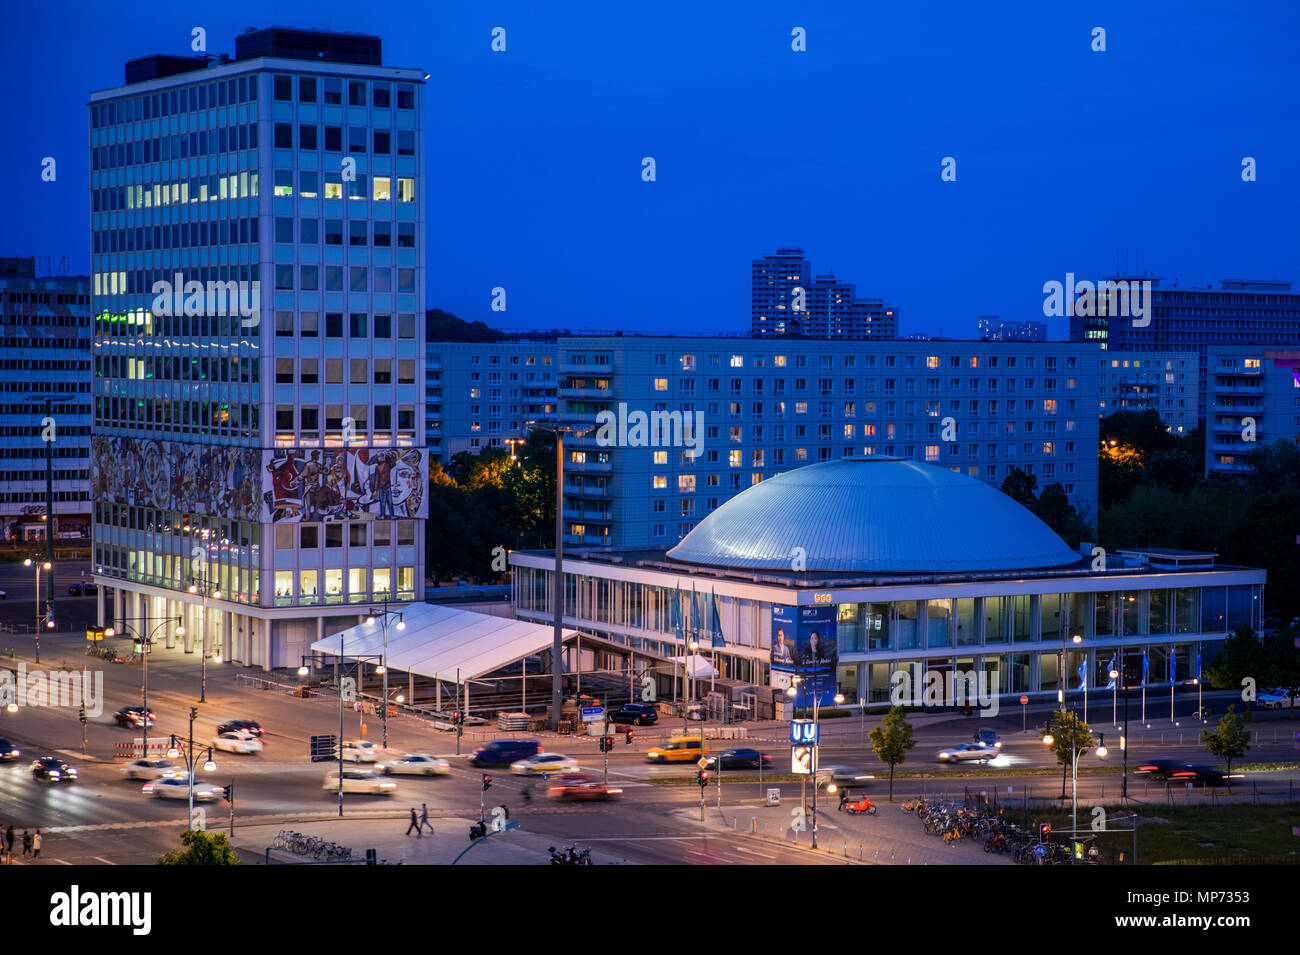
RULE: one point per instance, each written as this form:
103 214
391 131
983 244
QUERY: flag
715 621
1083 672
677 620
1145 663
1198 663
1110 668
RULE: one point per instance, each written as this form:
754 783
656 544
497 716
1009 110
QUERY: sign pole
1024 714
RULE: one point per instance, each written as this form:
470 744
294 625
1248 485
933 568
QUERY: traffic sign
702 762
1040 850
803 732
1024 701
323 749
593 714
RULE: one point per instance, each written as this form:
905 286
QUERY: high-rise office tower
44 372
258 299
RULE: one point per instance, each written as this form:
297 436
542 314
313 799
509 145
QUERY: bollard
753 821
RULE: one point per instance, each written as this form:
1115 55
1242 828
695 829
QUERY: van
678 749
503 752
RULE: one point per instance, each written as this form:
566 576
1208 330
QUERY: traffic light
82 714
487 782
701 778
606 743
228 793
627 738
1043 829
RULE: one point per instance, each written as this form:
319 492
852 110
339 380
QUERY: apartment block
788 301
1254 399
1164 382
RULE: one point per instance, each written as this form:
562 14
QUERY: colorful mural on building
255 484
349 484
192 478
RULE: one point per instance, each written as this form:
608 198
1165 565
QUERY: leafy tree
1281 661
1240 657
891 740
1020 487
1229 740
1274 467
1070 736
201 848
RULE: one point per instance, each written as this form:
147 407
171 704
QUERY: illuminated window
383 188
661 384
733 457
405 190
778 361
932 452
659 482
737 361
686 483
932 361
661 457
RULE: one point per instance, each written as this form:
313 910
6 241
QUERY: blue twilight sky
1067 159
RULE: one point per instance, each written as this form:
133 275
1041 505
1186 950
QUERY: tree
891 740
1281 661
1071 738
1020 487
1228 741
1241 657
201 849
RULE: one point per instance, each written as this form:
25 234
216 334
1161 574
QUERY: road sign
323 749
702 762
593 714
1024 701
1040 850
803 732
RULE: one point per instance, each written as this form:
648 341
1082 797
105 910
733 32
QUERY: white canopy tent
697 667
439 641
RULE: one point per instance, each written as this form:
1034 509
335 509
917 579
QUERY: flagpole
1144 685
1199 707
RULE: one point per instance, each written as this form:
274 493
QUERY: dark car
133 716
503 752
737 759
82 590
1159 768
1201 775
635 714
8 751
251 727
988 736
54 770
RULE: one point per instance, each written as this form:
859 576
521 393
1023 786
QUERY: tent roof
438 640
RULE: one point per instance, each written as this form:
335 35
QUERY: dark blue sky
1067 160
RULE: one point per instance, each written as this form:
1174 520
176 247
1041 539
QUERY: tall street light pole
46 619
557 636
146 641
203 631
383 664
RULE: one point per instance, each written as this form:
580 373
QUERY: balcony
1238 388
1252 408
586 368
587 514
588 491
586 392
589 467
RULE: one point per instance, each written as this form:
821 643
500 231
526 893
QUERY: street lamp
145 638
382 669
204 590
559 429
179 748
793 692
1048 740
48 617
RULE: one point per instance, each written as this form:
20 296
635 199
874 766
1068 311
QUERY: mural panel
194 478
343 484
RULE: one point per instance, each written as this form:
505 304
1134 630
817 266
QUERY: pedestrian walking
36 844
9 838
424 818
27 843
415 824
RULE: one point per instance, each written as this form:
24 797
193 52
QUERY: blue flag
677 620
1198 663
1110 667
715 621
1145 663
1083 672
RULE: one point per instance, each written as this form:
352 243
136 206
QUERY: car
53 770
241 743
178 787
969 753
503 752
360 781
154 767
251 727
635 714
415 764
988 736
577 787
544 763
3 595
737 759
843 775
360 751
1277 698
678 749
1158 768
1199 774
8 751
82 590
133 716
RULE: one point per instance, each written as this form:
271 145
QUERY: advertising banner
803 643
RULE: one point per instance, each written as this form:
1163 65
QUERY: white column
266 629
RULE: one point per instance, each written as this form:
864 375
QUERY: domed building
864 575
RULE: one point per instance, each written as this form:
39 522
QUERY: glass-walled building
257 298
912 568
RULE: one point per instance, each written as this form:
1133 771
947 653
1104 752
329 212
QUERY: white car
359 781
152 768
415 764
237 743
360 750
544 763
1277 698
969 752
178 787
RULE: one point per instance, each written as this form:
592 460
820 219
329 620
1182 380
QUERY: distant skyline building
45 337
1160 381
788 300
257 239
1191 318
992 328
